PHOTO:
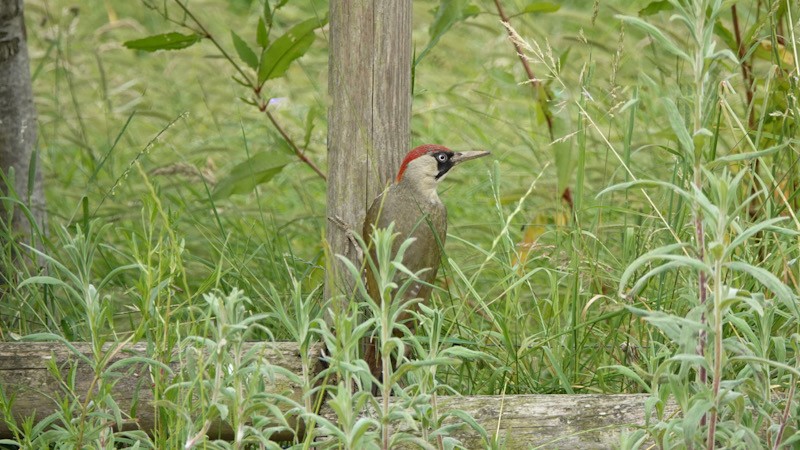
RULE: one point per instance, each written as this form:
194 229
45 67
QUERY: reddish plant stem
702 283
256 89
206 34
301 155
702 339
717 380
535 82
785 417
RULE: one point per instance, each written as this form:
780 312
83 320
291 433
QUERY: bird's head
426 165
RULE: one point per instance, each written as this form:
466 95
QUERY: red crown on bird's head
416 153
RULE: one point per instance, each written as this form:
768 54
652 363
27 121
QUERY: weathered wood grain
586 422
18 128
550 421
369 82
25 375
520 421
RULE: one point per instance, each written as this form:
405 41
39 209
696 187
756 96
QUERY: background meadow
658 143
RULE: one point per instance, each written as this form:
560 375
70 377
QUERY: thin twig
291 143
206 34
256 89
534 82
785 417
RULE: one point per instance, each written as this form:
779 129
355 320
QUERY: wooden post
18 129
368 122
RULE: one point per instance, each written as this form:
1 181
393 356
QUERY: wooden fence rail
518 421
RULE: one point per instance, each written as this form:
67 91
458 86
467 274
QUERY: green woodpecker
413 204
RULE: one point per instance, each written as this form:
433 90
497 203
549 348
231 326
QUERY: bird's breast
424 219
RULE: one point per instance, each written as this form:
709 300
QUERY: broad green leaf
657 35
540 7
764 277
557 367
115 272
706 205
448 13
166 41
222 409
47 337
672 325
693 359
745 156
356 273
655 8
676 262
469 421
131 360
767 362
780 54
293 44
42 279
244 177
401 371
725 54
752 231
311 117
725 34
678 126
629 373
652 255
645 184
262 37
743 326
362 426
463 353
245 52
562 61
697 412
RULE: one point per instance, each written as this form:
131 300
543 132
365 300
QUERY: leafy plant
269 60
719 203
600 295
404 415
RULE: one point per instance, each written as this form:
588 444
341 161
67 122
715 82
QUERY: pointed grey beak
460 157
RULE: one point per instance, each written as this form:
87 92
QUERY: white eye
442 157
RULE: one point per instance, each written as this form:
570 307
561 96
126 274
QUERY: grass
671 173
